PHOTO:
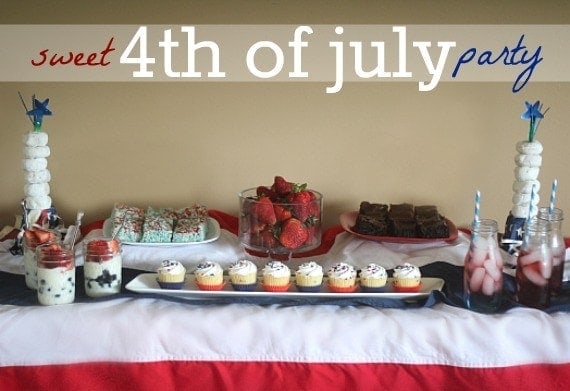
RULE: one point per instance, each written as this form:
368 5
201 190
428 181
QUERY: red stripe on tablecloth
251 376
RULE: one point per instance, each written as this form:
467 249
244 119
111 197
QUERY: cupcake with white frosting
209 276
276 277
309 277
171 274
243 275
373 278
342 278
407 278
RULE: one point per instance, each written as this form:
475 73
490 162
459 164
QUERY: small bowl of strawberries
282 218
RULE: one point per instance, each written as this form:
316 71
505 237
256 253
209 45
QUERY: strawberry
264 191
293 233
281 187
267 239
263 211
301 202
281 213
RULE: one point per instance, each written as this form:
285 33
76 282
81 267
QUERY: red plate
348 219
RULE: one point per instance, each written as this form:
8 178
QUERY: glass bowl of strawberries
283 218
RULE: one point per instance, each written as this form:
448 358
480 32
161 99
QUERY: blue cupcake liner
369 289
171 285
244 287
310 289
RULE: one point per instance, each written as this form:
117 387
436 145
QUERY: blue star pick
40 109
532 111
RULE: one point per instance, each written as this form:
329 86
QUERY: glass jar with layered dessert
31 240
56 274
103 267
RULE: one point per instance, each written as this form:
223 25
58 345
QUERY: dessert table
149 341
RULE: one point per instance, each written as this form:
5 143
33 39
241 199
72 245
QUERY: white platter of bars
212 234
147 283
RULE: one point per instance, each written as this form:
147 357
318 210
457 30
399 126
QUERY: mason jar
557 246
56 274
31 240
102 267
483 268
534 265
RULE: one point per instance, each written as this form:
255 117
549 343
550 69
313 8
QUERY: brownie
371 225
433 229
401 212
371 209
426 212
403 228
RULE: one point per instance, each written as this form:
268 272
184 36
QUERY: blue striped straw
477 208
552 197
530 205
529 218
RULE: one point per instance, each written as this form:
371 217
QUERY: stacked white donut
528 162
36 173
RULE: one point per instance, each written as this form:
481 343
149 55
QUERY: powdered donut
529 148
525 187
35 164
524 199
35 139
36 189
34 152
38 202
37 176
526 173
528 160
521 211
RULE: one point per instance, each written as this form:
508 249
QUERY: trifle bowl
289 223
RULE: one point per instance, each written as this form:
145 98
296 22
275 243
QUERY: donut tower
35 164
526 184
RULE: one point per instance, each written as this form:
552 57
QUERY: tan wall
171 144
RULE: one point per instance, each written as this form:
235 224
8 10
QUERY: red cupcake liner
209 287
336 289
407 289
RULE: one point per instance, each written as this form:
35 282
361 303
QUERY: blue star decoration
40 109
533 114
532 111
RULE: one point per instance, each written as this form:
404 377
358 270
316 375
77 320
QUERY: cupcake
342 278
243 275
209 276
309 277
171 274
407 278
373 278
276 277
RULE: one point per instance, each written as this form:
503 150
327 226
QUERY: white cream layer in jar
103 278
56 286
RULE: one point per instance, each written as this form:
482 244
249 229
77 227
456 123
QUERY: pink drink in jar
534 265
557 245
483 271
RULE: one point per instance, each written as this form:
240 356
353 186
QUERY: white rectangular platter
147 283
212 235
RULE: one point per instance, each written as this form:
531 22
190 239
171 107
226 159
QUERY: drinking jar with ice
483 272
56 274
102 267
557 245
534 265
